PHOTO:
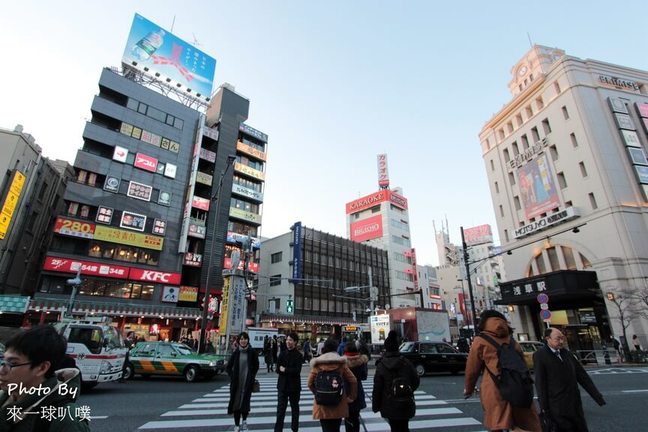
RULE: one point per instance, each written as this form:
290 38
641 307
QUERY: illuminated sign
200 203
366 202
164 198
192 259
397 200
204 178
197 231
10 202
253 132
248 149
170 294
133 221
379 328
104 215
159 227
116 235
170 170
249 171
252 266
297 241
74 228
562 216
208 155
158 52
242 214
90 268
145 162
154 276
188 294
139 191
367 229
240 190
223 318
233 237
120 154
111 184
383 173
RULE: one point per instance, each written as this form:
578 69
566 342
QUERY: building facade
566 165
320 284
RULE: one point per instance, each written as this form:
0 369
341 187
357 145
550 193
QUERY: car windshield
184 350
407 347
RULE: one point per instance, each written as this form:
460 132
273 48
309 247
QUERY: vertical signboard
223 319
537 187
383 173
236 305
184 229
10 202
297 263
379 328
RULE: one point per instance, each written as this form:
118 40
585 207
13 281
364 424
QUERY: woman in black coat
358 364
242 368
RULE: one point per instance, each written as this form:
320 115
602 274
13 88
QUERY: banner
537 187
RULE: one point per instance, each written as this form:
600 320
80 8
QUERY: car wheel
420 370
191 374
129 372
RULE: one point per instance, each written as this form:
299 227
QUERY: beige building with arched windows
568 173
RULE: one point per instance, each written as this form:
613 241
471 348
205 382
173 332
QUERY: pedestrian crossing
210 411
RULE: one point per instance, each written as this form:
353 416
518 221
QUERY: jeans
282 404
331 425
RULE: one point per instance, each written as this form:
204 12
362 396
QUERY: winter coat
498 413
290 380
331 361
390 366
62 384
358 365
233 372
557 386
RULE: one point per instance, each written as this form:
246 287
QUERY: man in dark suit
289 366
557 375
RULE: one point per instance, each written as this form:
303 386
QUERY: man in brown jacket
330 416
498 413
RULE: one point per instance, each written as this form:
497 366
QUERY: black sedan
434 357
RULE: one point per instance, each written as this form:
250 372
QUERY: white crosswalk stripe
210 411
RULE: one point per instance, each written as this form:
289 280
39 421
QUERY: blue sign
545 314
542 298
297 240
158 52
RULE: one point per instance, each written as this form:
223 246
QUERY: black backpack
514 381
329 388
401 390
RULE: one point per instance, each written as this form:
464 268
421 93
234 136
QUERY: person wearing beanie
499 414
393 367
358 364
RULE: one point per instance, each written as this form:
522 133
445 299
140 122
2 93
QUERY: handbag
548 424
256 387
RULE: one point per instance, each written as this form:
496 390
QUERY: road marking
634 391
98 417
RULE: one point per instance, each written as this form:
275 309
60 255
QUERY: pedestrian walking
499 414
267 353
395 382
557 376
320 346
328 377
275 350
635 342
242 368
308 354
358 364
33 380
289 366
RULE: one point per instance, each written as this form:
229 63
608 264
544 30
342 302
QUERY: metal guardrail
603 356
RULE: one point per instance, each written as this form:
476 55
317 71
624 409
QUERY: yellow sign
222 321
9 206
130 238
242 214
188 294
249 171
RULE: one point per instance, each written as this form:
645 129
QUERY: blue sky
333 83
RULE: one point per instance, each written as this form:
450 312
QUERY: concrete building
432 299
568 174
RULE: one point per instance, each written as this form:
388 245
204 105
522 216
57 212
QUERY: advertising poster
133 221
379 328
477 235
367 229
154 50
537 187
224 312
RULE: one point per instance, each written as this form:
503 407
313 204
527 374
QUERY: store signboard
74 228
133 221
145 162
120 236
367 229
188 294
10 202
90 268
139 191
380 326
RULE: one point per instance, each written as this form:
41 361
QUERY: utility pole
470 288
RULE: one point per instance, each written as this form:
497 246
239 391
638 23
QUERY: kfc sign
366 202
145 162
367 229
154 276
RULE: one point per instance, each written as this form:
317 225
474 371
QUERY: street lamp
217 198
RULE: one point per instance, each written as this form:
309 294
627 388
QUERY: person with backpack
395 382
328 378
358 364
289 366
506 390
558 375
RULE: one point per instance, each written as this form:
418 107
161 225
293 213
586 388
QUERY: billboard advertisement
374 199
10 202
158 52
537 187
379 328
479 234
297 240
367 229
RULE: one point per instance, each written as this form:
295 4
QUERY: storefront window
136 291
95 251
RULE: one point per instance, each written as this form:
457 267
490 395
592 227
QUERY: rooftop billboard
158 52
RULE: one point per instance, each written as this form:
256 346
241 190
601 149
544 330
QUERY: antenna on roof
530 41
172 23
195 42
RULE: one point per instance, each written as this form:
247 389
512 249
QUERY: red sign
383 174
67 265
252 266
154 276
478 234
366 202
398 200
145 162
74 228
200 203
367 229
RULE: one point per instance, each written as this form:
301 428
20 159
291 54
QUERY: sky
333 83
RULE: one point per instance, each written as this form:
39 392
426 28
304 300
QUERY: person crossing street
289 366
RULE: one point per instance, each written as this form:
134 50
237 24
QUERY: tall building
567 168
319 284
448 253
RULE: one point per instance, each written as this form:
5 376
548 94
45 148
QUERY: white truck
97 348
257 335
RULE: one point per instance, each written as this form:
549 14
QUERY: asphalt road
128 406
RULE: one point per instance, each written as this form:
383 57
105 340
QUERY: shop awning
562 285
114 309
307 319
14 304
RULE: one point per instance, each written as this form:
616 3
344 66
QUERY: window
525 142
546 127
562 182
511 178
501 209
529 111
516 200
557 87
276 257
275 280
573 140
506 235
82 176
583 170
565 113
41 192
516 150
92 179
492 164
593 201
85 212
496 187
535 134
553 151
539 103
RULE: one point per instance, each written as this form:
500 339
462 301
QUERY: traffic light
289 306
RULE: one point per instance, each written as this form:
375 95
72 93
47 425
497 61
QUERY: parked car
434 357
172 359
528 348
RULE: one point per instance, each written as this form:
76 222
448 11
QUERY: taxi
171 359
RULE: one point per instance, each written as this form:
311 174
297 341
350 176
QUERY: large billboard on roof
158 52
